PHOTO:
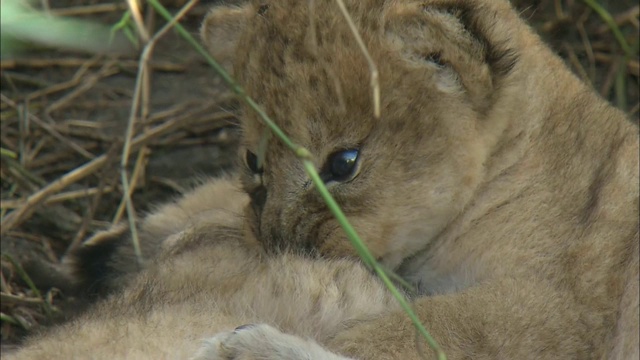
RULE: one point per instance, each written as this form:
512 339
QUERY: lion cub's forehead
301 62
303 66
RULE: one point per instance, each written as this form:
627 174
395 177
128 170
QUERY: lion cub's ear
221 31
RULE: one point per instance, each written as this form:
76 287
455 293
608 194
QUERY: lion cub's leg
262 342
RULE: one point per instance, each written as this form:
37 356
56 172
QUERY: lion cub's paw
249 342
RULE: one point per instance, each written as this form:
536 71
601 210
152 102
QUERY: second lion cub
206 278
504 188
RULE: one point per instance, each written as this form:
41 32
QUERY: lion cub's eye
252 162
341 165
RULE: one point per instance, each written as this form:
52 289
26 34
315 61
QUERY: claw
243 327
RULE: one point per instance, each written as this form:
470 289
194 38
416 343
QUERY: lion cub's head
401 178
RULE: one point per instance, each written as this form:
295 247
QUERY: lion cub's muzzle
278 230
258 198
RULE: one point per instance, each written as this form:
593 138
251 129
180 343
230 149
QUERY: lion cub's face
401 178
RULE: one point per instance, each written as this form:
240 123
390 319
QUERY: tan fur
207 279
495 180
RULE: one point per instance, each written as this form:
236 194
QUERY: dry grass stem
13 299
135 107
27 207
373 68
138 170
49 129
633 66
586 44
575 63
65 196
607 82
134 10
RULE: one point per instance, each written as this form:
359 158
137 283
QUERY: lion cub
504 188
205 278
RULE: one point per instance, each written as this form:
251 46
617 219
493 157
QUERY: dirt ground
64 115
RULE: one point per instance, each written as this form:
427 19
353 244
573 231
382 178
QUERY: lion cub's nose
258 198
